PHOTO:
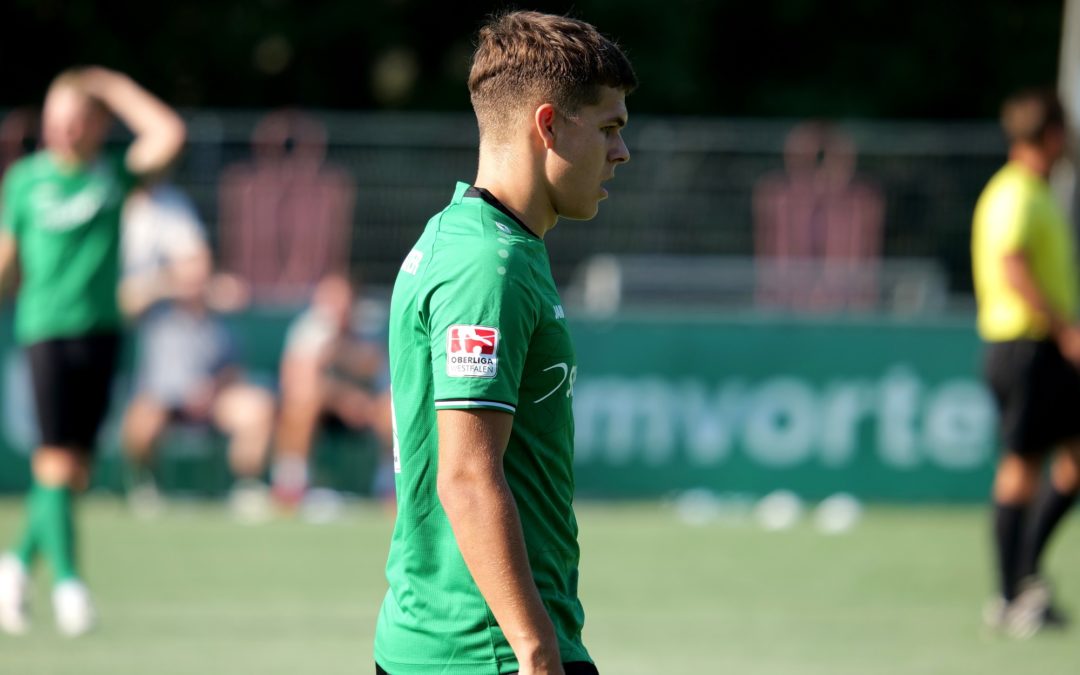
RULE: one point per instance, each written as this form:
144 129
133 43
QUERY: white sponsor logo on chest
472 351
559 313
60 213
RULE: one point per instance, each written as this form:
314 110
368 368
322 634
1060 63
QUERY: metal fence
688 190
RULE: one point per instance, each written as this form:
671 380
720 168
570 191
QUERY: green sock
27 548
56 530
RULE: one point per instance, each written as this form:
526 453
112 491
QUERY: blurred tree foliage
840 58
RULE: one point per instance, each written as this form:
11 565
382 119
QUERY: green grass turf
193 592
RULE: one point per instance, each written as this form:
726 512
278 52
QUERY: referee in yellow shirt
1026 282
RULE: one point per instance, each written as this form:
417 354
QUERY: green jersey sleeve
480 321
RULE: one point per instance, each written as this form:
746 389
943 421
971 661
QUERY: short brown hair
525 58
1028 114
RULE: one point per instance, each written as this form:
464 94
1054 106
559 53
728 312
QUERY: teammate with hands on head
483 564
61 227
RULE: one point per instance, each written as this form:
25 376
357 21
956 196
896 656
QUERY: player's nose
620 154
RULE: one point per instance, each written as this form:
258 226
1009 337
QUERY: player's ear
544 122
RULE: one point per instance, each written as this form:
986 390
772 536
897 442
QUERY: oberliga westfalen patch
472 351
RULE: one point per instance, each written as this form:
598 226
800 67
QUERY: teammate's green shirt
476 322
1017 213
66 222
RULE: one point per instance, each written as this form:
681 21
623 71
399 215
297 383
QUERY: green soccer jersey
66 222
476 322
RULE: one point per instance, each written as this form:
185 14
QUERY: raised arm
159 131
480 507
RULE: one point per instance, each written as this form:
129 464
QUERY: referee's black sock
1050 507
1009 538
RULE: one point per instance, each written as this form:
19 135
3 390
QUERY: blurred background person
334 372
1026 283
286 215
163 237
20 134
818 228
188 367
61 226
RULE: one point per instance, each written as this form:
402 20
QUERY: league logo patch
472 351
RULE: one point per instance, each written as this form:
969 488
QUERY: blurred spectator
188 370
286 216
334 371
20 134
817 227
163 234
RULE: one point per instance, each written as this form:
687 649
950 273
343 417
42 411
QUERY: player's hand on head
97 80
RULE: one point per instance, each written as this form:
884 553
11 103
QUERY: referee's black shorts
1037 392
72 378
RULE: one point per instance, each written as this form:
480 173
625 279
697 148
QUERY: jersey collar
481 193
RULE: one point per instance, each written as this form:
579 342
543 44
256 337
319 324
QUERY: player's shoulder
472 229
27 167
1010 190
1016 182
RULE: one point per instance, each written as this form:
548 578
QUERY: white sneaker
249 502
1022 618
14 596
72 608
145 501
1026 615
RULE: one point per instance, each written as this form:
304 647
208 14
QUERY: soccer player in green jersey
483 564
61 227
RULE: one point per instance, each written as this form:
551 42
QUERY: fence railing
689 189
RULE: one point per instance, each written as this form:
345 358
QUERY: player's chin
582 212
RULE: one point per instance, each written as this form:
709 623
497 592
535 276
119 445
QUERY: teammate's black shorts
573 668
72 378
1037 392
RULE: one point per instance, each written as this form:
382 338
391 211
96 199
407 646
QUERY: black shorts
1037 393
71 379
573 668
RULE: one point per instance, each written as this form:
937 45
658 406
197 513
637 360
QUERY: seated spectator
334 369
163 235
187 368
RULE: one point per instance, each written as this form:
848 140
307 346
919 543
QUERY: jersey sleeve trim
467 403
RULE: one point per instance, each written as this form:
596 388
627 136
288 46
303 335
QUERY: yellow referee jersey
1017 212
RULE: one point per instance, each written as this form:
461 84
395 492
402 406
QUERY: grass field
195 593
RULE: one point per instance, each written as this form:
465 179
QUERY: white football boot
14 596
72 609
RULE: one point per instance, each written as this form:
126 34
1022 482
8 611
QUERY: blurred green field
194 592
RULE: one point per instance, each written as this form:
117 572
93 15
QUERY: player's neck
1031 158
517 188
69 160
